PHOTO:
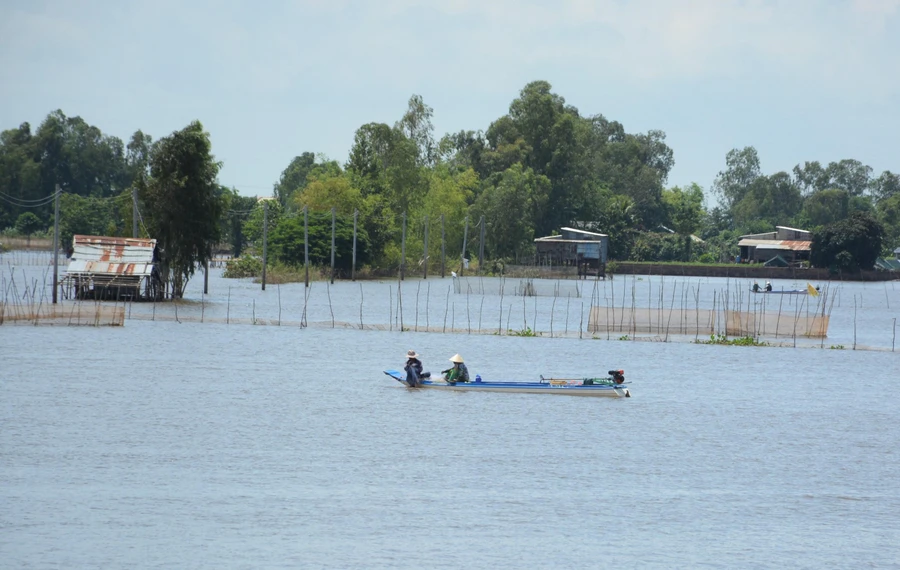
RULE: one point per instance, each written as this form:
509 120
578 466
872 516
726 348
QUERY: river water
189 445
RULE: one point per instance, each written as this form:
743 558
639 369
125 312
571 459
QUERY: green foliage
684 209
246 266
740 341
287 241
236 211
524 332
826 207
849 245
659 247
889 215
28 224
88 215
511 202
183 203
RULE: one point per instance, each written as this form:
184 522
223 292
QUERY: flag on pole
812 290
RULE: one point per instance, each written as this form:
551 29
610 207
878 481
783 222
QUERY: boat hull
559 389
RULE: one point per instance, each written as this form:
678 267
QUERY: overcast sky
798 79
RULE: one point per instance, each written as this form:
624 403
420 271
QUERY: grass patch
721 339
524 332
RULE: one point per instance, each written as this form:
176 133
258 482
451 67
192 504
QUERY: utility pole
443 250
353 266
56 244
206 278
462 263
425 270
481 247
265 241
306 243
134 212
403 249
332 244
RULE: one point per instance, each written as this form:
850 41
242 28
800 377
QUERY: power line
37 203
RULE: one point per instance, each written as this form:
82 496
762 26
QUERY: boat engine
618 376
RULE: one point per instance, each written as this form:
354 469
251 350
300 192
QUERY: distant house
102 267
583 249
789 244
897 253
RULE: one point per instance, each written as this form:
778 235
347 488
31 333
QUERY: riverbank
747 271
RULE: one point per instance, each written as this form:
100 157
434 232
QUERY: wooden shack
580 248
102 267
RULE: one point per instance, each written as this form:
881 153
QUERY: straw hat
411 354
456 359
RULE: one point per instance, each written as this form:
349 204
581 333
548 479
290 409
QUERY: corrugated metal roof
582 232
104 255
792 245
560 239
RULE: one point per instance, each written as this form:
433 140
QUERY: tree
416 126
850 244
293 177
27 224
826 207
236 211
510 204
287 241
685 211
889 215
774 199
741 171
849 175
886 185
326 192
183 203
86 215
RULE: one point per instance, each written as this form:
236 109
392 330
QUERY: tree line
541 166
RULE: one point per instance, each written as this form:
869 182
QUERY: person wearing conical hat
458 373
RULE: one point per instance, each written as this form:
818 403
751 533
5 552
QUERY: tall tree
416 126
886 185
510 204
685 211
293 178
183 203
850 244
742 169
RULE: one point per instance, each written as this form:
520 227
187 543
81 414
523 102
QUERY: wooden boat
782 292
602 387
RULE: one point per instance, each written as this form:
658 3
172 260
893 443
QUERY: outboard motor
618 376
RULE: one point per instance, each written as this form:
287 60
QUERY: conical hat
456 358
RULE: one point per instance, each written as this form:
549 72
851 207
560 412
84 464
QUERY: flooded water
188 444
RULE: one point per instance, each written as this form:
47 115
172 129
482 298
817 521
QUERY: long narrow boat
782 292
602 387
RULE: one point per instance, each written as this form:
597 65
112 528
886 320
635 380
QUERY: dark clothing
414 372
415 364
459 373
768 286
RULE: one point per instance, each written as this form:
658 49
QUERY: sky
800 80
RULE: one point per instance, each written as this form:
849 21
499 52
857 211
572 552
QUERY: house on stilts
102 267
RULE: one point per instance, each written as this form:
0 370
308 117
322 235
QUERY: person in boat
768 286
458 373
413 368
755 287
